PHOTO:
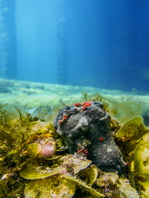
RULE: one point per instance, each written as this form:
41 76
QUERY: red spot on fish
60 122
65 117
86 104
77 104
101 139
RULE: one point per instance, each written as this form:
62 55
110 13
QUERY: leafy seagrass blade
33 171
50 187
132 129
131 132
83 185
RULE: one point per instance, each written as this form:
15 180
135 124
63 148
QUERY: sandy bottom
31 95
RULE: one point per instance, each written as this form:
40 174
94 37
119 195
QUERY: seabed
34 160
30 94
33 95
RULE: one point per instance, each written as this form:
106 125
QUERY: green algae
140 164
83 185
124 189
23 173
122 107
32 171
67 164
131 132
134 136
50 187
132 129
90 174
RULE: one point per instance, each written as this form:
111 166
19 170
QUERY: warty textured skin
86 130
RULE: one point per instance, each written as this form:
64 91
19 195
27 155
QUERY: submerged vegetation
35 161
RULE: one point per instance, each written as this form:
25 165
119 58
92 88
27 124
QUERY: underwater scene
74 99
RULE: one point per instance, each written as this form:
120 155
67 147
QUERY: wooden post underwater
62 44
8 39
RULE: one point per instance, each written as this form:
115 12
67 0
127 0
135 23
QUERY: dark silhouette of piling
9 39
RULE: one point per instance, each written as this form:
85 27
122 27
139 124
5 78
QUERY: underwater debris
87 131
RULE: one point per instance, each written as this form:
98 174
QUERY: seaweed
133 138
14 131
121 108
125 108
50 187
29 169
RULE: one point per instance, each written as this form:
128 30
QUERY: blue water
99 43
